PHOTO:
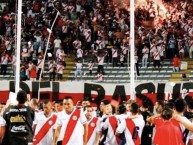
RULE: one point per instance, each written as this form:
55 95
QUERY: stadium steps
176 77
70 63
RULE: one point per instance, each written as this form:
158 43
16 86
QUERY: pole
17 76
132 49
50 32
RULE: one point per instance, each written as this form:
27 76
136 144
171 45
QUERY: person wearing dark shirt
19 120
146 137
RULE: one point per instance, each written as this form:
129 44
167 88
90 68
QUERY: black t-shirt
19 121
146 137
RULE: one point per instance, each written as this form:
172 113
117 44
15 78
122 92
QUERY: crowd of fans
167 122
94 30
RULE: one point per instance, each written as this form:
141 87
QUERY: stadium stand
87 30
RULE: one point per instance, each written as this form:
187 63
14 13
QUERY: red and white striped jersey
124 49
71 9
114 52
191 43
51 67
100 77
111 124
39 121
60 54
121 56
60 68
97 129
132 128
13 61
64 29
77 44
65 6
152 47
8 44
90 65
100 60
100 44
156 55
4 59
145 52
87 36
40 63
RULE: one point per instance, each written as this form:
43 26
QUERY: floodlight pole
132 49
17 74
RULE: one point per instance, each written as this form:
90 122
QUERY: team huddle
66 123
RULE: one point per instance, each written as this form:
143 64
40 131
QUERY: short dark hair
86 99
160 102
180 105
21 97
105 101
88 106
134 108
166 113
60 102
68 97
46 102
122 108
146 103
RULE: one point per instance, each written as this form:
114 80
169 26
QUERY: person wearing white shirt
145 52
8 45
51 70
100 59
152 49
94 127
57 44
77 44
60 55
132 128
13 62
78 69
74 118
87 36
156 57
115 56
100 44
60 68
39 66
90 66
107 123
4 62
44 120
2 128
79 53
100 77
